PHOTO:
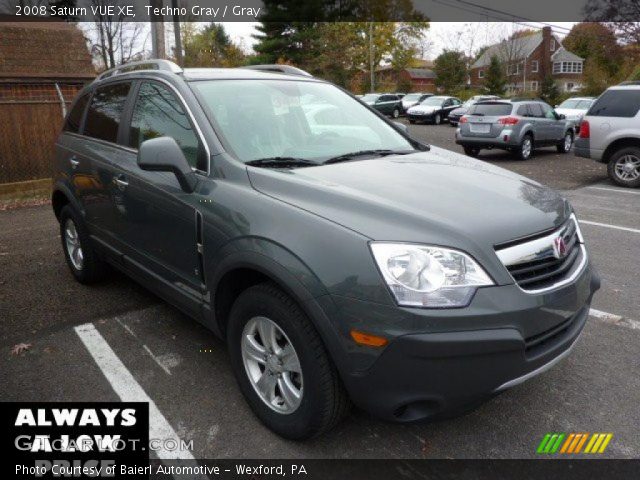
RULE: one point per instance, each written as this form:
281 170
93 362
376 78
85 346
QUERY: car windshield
266 119
431 101
490 109
571 103
370 97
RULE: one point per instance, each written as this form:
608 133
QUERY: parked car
434 109
574 109
457 113
411 99
386 103
518 126
610 133
335 260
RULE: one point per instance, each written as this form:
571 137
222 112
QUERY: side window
74 119
535 110
548 111
105 111
617 103
448 102
158 113
523 110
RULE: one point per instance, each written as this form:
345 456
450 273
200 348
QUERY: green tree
549 90
495 81
594 41
451 71
596 79
211 47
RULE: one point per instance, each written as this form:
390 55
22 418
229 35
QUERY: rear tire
472 151
395 113
437 119
624 167
322 400
567 142
525 150
83 261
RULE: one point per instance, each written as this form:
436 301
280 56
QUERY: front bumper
441 372
421 117
499 141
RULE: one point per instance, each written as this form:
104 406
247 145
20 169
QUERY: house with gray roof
528 59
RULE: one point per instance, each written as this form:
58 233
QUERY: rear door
541 124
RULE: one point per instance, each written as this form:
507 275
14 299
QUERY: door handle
74 162
120 182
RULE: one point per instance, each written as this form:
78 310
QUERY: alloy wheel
568 141
72 243
627 168
272 365
526 148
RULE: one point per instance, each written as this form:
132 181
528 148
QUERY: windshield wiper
362 153
281 162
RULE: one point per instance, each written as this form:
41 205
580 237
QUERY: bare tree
114 41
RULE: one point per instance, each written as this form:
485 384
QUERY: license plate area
480 127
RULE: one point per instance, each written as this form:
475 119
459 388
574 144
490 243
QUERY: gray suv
610 133
518 126
332 256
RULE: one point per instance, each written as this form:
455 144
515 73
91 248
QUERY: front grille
544 262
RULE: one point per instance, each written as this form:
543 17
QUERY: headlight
426 276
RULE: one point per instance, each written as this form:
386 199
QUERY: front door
161 230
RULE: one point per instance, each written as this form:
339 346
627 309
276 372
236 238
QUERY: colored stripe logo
573 443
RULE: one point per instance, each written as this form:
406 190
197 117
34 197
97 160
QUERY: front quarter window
308 120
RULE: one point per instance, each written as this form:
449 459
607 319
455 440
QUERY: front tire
525 149
624 167
395 113
287 378
83 261
437 120
567 142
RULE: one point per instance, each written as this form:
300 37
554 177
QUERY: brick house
528 60
42 67
389 80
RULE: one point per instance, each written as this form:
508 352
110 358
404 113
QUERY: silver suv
610 133
515 125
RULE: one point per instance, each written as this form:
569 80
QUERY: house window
534 66
552 46
534 86
567 67
513 69
569 86
480 73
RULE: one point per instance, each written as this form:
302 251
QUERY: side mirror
164 155
402 126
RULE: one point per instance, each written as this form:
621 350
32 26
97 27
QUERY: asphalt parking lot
163 357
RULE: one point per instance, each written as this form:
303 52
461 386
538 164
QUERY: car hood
459 111
419 108
437 197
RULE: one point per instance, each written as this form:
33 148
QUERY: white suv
610 133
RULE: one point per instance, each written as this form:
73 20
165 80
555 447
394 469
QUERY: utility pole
176 32
157 32
373 79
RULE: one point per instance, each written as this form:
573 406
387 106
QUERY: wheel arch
619 144
62 196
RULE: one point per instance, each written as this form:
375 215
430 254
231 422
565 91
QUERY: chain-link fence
31 116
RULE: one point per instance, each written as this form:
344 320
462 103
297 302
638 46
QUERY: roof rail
286 69
151 64
630 82
524 99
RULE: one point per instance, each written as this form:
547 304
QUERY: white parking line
129 390
615 319
606 225
619 190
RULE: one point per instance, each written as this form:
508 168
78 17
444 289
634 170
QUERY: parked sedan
411 99
456 114
575 108
433 109
387 103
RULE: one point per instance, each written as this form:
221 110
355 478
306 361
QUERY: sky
459 35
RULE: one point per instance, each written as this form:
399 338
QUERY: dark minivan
342 260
